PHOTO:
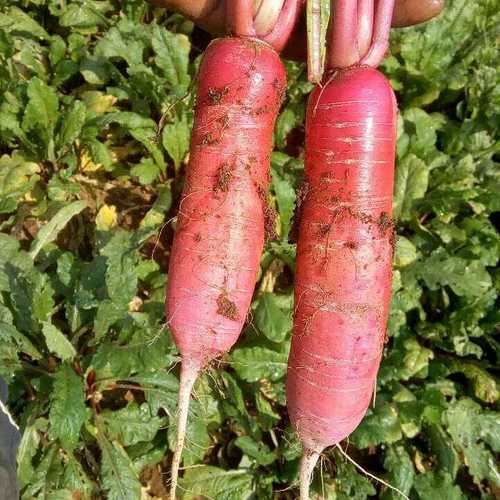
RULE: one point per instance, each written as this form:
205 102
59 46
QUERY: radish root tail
189 374
307 464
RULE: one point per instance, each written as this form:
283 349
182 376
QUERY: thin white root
189 374
369 474
307 464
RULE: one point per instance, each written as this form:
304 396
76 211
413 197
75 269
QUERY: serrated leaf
380 425
470 427
257 363
41 112
25 453
68 411
119 477
273 316
121 273
147 171
172 57
85 14
412 179
57 342
18 22
216 483
406 252
258 451
175 139
132 424
466 278
401 472
71 124
437 485
49 231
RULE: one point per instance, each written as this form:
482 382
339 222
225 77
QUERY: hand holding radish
210 15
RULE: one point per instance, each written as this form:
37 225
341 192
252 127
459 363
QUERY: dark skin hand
210 15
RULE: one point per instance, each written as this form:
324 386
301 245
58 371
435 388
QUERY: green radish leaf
466 278
175 139
444 450
121 273
406 252
51 229
216 483
381 425
256 363
19 22
57 342
119 477
41 113
273 316
71 124
27 450
131 424
472 429
68 411
401 471
437 483
172 57
86 15
412 177
258 451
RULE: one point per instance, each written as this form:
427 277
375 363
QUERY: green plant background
96 104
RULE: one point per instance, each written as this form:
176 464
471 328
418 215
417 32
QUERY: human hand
210 15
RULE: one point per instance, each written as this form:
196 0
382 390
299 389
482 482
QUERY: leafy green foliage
96 104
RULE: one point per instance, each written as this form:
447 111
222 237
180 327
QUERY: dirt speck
209 140
215 95
197 237
385 223
280 91
351 245
261 110
223 178
323 229
227 308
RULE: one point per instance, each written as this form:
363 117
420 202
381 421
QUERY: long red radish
220 229
345 247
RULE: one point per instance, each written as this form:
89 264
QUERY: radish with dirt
220 229
346 236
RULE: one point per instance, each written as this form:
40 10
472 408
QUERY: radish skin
344 259
346 236
220 229
344 256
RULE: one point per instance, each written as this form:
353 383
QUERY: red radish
344 254
220 229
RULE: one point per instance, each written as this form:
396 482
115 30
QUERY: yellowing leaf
98 102
106 218
86 163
